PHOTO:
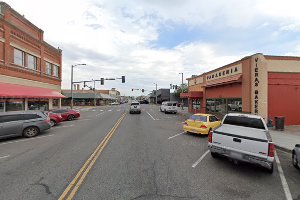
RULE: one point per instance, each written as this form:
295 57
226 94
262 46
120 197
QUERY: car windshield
198 118
135 104
244 121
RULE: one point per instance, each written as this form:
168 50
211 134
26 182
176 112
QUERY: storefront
257 84
15 97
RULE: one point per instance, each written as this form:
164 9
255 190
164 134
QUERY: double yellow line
72 188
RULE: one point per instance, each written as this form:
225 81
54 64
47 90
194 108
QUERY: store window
234 105
31 62
15 105
19 57
2 104
196 104
224 106
48 68
55 70
38 104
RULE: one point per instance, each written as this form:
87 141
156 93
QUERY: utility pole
72 82
95 103
181 89
155 93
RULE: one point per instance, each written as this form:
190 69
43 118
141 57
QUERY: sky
152 41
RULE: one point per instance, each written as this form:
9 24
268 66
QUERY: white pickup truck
243 137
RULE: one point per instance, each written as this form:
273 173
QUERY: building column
59 103
26 104
50 104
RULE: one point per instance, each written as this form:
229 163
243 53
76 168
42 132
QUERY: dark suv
23 123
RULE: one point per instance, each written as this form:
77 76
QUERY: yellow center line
89 163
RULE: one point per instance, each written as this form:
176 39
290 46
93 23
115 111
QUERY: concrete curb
283 149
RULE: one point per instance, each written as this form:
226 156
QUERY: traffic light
143 90
102 81
170 86
132 90
123 79
175 87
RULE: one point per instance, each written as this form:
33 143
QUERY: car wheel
140 112
52 123
295 160
214 155
271 169
31 132
71 117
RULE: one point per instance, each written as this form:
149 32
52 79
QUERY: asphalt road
107 154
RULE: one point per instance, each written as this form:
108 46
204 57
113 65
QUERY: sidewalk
184 113
287 139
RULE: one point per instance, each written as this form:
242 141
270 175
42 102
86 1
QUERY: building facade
30 68
265 85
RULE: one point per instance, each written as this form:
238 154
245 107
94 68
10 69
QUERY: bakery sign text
224 73
256 85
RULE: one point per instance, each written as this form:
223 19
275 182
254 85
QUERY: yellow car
201 124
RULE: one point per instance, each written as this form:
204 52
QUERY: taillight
271 150
210 136
203 126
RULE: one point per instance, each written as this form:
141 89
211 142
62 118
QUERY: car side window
213 119
30 116
10 118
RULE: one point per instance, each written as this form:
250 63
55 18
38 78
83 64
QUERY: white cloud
113 37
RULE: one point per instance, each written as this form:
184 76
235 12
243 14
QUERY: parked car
135 107
201 124
243 137
55 118
23 123
67 115
296 156
169 107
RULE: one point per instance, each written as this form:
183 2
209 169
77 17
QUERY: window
31 63
48 68
244 121
10 118
30 116
15 105
42 105
224 106
198 118
196 104
2 106
213 119
19 57
135 104
55 70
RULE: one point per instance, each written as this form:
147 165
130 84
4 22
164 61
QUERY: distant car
67 115
23 123
169 107
135 108
201 124
144 102
296 156
55 118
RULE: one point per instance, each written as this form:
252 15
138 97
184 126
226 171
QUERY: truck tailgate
242 139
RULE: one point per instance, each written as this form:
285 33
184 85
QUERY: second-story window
55 70
48 68
19 57
31 63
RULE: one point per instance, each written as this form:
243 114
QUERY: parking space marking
151 116
109 110
28 139
4 156
284 183
200 159
175 135
66 126
100 114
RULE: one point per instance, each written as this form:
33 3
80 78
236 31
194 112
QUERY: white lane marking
118 110
94 110
100 114
63 126
151 116
4 156
200 159
109 110
175 135
101 110
284 183
24 140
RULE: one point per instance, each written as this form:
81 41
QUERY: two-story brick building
259 84
30 68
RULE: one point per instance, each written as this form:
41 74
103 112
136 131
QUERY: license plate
236 155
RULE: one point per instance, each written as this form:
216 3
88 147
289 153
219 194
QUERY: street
134 156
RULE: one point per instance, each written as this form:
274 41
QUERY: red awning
184 95
20 91
231 79
192 94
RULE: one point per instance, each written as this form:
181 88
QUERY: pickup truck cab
243 137
135 107
169 107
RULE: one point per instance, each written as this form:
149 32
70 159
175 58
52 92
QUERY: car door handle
237 140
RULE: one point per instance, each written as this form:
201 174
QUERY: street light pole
155 93
72 83
181 89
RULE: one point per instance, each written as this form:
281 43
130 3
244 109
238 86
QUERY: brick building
30 68
265 85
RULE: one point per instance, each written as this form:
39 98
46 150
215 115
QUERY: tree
178 91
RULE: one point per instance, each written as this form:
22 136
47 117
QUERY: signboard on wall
223 73
259 86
